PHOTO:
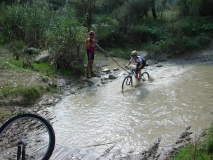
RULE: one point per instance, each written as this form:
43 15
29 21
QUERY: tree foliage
117 23
110 6
84 10
205 8
54 4
196 7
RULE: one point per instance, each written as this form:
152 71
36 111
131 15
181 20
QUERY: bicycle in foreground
26 136
128 80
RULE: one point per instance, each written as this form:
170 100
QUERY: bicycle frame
128 79
21 152
22 123
132 71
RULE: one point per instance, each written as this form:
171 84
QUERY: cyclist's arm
128 63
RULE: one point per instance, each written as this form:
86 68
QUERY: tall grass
40 27
66 39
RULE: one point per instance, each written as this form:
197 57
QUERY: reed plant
44 28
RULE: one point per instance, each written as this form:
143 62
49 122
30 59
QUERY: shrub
203 40
66 41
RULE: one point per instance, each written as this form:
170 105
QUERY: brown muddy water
181 94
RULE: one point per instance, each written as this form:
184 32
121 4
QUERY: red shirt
90 42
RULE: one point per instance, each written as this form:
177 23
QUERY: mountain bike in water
26 136
128 80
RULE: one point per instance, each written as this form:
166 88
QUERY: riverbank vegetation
201 149
60 26
28 83
160 26
172 26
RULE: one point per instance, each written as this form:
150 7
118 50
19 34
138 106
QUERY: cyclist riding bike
140 63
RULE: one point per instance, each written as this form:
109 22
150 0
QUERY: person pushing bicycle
140 63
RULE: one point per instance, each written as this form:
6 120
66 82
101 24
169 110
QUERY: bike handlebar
127 67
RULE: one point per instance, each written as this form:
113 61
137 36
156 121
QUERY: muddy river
181 94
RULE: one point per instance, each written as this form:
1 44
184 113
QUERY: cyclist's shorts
143 65
90 55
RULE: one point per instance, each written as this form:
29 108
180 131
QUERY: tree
196 7
136 10
184 7
85 10
153 9
205 8
56 4
9 2
111 5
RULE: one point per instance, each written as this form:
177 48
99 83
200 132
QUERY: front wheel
144 76
35 130
127 83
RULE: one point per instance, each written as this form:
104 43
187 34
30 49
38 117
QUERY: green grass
5 114
25 82
202 149
45 69
30 93
9 62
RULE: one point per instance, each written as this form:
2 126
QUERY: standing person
140 63
90 48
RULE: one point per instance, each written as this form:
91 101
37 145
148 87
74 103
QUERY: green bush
67 43
203 40
179 45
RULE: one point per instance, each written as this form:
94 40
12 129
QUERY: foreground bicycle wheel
127 83
144 76
35 130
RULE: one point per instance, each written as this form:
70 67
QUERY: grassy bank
201 149
24 83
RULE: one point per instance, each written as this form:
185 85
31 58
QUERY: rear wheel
35 130
144 76
127 83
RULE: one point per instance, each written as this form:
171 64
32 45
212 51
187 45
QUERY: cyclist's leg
143 65
136 70
90 63
139 72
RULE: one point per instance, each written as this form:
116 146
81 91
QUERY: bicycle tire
145 76
127 82
35 129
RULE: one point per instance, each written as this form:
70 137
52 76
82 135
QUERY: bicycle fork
21 152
